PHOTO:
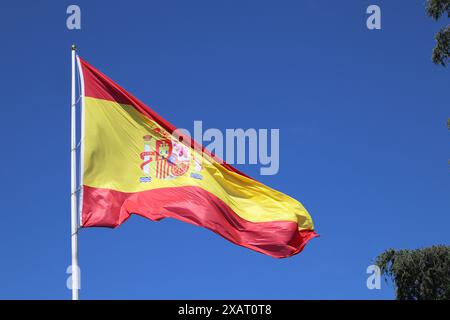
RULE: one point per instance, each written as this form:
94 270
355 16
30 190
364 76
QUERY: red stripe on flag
100 86
110 208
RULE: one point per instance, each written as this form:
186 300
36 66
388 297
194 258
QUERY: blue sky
362 118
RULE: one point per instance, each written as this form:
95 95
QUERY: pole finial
74 47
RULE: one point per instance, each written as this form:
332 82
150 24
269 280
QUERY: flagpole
73 196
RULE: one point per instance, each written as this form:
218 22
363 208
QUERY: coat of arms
165 158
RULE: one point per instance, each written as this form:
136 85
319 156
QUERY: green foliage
421 274
441 52
436 9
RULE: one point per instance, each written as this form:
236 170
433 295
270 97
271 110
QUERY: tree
421 274
436 9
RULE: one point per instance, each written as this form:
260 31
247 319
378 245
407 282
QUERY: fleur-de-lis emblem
164 150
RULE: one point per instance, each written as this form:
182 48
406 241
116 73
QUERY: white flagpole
73 197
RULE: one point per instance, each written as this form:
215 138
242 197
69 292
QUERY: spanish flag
134 162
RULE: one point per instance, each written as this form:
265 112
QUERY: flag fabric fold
135 162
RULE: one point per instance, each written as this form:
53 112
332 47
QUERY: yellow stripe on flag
114 146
